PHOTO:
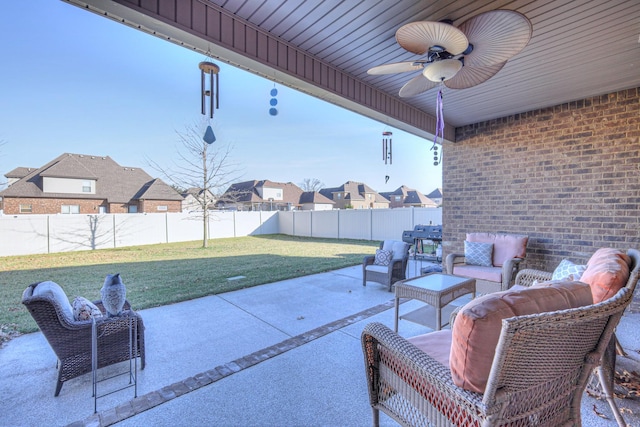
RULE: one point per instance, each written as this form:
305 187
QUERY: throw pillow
607 272
567 270
476 330
383 257
477 253
83 309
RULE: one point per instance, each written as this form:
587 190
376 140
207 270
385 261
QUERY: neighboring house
76 183
436 196
405 197
268 195
355 195
193 199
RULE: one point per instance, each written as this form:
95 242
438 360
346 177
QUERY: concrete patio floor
282 354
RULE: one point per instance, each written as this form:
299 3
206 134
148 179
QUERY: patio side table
437 290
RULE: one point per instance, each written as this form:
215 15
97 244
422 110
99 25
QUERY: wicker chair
602 380
395 271
509 251
71 339
540 370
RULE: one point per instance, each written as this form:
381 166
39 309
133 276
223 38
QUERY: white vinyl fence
40 234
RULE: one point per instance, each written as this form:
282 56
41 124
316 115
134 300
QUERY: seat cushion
53 291
492 274
477 327
607 272
436 344
505 246
377 268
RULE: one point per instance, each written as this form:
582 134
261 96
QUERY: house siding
567 176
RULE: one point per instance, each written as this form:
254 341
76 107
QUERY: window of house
339 196
369 195
133 209
398 198
162 208
86 186
70 209
25 209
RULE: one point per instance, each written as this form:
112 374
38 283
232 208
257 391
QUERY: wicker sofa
70 339
539 362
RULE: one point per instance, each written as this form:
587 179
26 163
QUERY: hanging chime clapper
212 92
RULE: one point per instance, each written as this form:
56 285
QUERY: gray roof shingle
114 183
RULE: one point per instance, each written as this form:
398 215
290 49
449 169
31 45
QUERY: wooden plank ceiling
579 48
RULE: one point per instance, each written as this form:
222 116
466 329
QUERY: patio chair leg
376 417
608 392
58 387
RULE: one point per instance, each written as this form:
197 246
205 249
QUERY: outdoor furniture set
519 357
69 331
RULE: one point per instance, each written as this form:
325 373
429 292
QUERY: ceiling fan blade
396 67
416 86
418 37
496 36
472 76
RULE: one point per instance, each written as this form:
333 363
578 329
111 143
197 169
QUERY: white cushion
395 246
377 268
53 291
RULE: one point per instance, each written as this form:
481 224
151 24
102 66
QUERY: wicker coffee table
438 291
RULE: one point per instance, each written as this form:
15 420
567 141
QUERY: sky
75 82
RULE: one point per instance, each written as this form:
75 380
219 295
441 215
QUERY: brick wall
50 206
567 176
151 206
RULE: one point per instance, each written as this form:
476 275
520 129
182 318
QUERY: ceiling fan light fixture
443 70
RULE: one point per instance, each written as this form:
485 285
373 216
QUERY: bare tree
201 165
311 184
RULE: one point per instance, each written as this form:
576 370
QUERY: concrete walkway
282 354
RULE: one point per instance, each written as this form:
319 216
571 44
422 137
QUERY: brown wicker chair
540 369
387 275
71 339
602 380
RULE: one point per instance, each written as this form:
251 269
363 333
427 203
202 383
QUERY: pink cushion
505 246
478 325
607 272
436 344
492 274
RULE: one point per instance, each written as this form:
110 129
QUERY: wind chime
439 129
387 148
212 92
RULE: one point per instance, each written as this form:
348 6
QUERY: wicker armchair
540 370
602 380
395 271
509 251
71 339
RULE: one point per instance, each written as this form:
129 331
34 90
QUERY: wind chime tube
384 150
202 94
390 152
211 94
217 91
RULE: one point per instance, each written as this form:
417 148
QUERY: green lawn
156 275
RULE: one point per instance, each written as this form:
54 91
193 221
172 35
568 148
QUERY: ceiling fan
458 57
